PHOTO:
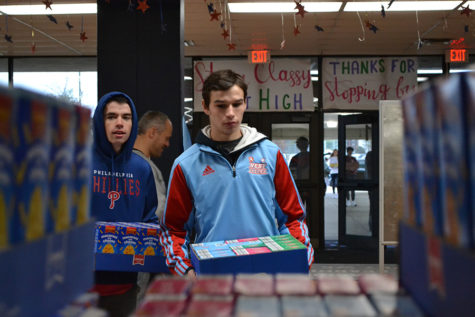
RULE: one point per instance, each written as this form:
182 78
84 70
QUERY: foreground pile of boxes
276 295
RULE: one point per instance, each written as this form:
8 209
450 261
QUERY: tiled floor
354 270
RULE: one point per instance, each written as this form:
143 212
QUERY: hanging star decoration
371 27
383 12
282 45
142 6
52 19
390 3
48 4
319 28
210 8
467 11
69 25
83 36
231 46
8 38
225 34
296 30
300 8
215 15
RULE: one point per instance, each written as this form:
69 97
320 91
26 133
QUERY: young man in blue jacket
123 189
232 183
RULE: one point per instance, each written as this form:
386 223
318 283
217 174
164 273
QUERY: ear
205 108
151 132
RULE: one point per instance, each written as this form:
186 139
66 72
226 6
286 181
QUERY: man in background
154 133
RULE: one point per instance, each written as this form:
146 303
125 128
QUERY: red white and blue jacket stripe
216 201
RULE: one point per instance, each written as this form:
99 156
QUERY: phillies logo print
113 196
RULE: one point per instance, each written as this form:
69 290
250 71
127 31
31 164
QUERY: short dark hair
350 149
150 119
302 139
119 99
222 80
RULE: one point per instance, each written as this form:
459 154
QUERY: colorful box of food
337 284
207 305
451 102
412 159
271 254
162 305
252 306
134 246
293 306
213 285
254 284
82 165
7 166
61 167
295 284
171 285
32 158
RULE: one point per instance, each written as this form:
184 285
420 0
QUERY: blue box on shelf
40 277
271 254
129 246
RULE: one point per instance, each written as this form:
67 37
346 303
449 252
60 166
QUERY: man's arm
174 236
289 202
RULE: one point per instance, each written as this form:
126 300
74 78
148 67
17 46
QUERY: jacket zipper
234 170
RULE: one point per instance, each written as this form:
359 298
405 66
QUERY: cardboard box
272 254
133 247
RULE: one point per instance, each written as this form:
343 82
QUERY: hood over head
101 144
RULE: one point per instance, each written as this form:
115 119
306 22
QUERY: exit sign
456 55
258 57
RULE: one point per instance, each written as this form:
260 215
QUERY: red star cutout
215 15
231 46
33 48
83 36
142 5
225 33
300 8
467 11
48 4
296 31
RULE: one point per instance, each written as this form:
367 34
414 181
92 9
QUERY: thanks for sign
280 85
359 83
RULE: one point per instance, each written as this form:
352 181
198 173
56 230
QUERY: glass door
358 153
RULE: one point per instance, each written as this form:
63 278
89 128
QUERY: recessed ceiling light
401 6
282 7
34 9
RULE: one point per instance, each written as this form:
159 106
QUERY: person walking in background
154 133
334 172
123 189
233 183
351 166
300 166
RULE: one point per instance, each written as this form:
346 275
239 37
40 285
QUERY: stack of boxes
44 166
276 295
437 235
439 160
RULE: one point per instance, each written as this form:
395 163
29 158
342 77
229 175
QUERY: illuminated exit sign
456 55
258 57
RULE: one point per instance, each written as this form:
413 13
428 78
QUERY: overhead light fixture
188 99
314 72
282 7
401 6
40 9
314 78
422 79
332 124
189 43
429 71
455 71
187 78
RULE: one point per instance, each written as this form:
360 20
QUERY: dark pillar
142 56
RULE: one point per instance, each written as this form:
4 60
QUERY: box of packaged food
61 167
124 246
82 165
7 167
32 159
270 254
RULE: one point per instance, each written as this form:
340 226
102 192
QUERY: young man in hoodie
123 189
232 183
